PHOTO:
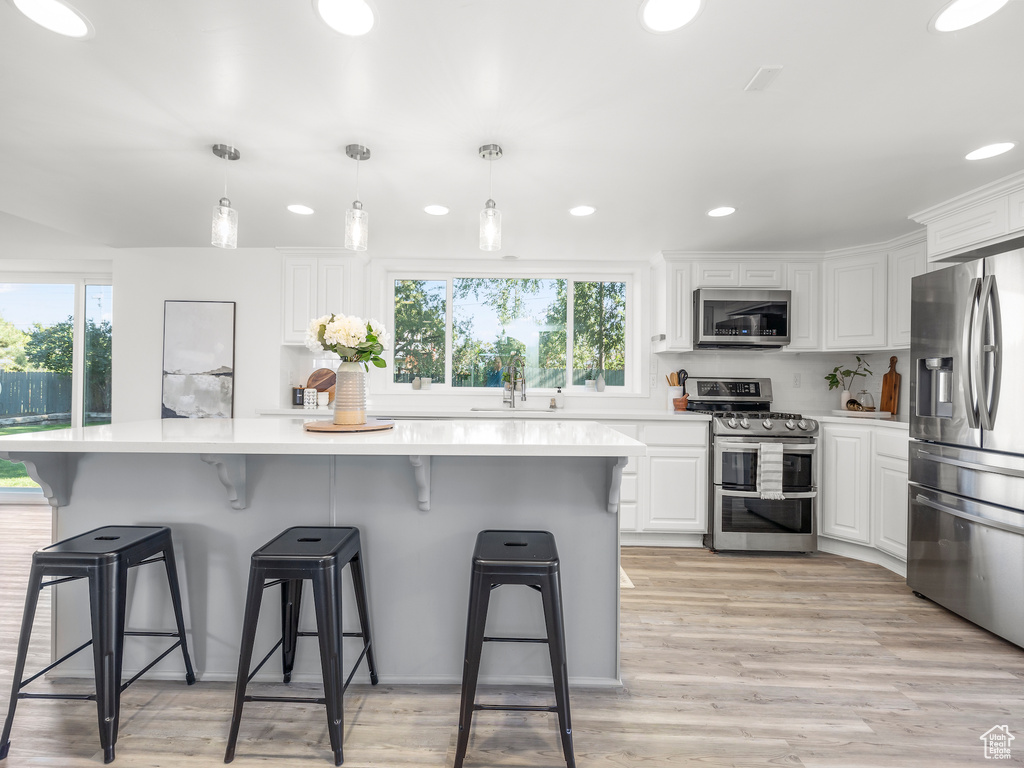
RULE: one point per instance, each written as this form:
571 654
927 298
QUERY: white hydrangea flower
346 331
380 332
313 333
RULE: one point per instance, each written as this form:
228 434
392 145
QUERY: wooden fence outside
29 393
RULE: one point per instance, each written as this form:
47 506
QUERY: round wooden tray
372 424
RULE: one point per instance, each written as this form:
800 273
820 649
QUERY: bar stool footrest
515 640
515 708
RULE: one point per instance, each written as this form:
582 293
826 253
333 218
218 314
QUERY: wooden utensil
322 380
890 389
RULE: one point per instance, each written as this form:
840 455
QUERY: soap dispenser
559 398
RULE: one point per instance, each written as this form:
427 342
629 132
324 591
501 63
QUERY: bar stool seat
529 558
103 556
320 554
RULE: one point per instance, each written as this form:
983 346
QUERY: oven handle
748 447
756 495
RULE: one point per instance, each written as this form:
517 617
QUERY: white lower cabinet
864 487
678 483
846 481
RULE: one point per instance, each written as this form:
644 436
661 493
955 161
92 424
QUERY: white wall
145 278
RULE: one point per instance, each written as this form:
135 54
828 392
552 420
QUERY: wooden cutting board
890 389
322 380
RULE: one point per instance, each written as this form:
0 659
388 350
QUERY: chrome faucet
516 372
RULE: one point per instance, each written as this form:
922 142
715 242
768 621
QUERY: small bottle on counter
559 398
297 395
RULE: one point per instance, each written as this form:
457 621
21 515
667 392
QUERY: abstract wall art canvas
199 359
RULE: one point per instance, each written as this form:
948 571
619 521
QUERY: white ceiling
108 139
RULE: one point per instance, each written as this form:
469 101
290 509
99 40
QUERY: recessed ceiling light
582 210
347 17
436 210
724 210
668 15
960 14
56 16
990 151
302 210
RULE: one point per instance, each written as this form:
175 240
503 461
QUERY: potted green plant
844 377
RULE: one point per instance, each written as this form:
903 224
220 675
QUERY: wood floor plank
817 662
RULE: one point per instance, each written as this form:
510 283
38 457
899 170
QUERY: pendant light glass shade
357 227
357 221
490 228
224 233
490 216
225 225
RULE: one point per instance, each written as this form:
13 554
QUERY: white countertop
448 437
544 414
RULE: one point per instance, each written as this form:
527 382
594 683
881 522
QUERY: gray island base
419 495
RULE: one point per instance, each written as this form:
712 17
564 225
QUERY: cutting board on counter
890 389
322 380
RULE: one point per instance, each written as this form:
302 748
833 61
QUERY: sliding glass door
55 361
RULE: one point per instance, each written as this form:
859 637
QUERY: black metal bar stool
103 556
318 554
515 557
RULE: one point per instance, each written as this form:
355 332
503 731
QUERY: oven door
745 521
736 463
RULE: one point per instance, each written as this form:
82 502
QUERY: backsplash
783 368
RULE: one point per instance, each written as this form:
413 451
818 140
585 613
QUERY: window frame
630 273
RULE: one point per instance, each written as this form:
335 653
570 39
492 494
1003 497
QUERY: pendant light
490 216
225 218
357 221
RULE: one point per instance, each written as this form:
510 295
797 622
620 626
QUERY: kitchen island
419 493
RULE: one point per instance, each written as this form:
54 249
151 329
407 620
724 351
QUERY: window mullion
449 332
570 289
78 357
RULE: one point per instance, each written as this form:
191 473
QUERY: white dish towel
769 471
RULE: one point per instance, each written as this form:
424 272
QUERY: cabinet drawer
676 434
891 442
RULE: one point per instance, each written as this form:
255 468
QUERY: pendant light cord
357 179
490 171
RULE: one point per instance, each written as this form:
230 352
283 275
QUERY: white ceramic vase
350 394
844 398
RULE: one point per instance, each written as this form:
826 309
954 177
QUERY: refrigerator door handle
989 343
964 515
968 346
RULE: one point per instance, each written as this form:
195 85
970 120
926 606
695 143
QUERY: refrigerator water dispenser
935 386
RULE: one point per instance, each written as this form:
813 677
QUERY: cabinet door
761 274
1017 210
716 274
855 302
845 508
904 264
678 498
300 299
330 290
678 307
889 501
803 279
968 227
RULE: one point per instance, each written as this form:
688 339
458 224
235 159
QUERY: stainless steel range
763 471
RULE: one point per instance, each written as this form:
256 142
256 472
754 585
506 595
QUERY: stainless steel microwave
740 318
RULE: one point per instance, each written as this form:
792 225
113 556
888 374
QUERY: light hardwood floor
727 660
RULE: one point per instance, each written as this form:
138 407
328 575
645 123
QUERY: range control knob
803 424
767 423
790 424
744 423
731 423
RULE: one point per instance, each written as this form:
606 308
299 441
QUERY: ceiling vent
764 77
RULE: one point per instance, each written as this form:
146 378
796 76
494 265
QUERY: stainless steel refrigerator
966 527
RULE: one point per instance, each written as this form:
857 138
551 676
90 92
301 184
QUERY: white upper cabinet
737 274
313 286
981 217
673 306
855 302
803 279
904 264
